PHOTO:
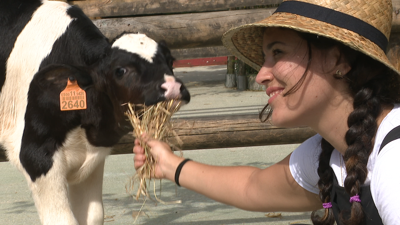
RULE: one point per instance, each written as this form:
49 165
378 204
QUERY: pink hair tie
327 205
355 198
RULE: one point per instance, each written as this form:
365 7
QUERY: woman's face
286 59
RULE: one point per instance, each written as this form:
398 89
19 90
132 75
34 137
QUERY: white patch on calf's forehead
35 42
139 44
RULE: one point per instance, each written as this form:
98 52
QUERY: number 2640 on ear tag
72 97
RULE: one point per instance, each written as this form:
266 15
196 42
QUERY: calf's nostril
172 89
161 88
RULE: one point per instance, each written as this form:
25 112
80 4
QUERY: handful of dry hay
154 121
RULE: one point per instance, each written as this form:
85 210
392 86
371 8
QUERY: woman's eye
276 52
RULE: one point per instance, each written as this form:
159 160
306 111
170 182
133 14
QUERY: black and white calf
62 153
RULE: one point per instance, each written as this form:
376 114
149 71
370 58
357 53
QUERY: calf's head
136 70
139 70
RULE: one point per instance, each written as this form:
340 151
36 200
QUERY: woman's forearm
221 183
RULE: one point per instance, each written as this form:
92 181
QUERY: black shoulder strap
391 136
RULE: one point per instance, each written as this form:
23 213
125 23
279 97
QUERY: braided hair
372 85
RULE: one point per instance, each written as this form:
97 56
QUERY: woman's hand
165 159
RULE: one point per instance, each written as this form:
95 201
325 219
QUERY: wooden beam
195 30
119 8
196 53
225 132
183 30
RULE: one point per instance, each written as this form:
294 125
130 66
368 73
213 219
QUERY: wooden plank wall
183 24
186 24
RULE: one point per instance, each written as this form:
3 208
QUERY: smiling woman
323 65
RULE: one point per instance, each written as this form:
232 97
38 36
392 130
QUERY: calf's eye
119 72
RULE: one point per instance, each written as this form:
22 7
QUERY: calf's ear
163 43
56 76
167 53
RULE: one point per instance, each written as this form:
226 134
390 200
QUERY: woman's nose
264 75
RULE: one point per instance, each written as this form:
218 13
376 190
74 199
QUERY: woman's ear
338 62
343 69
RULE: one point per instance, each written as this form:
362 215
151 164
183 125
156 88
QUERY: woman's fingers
137 141
159 150
137 149
145 137
157 145
139 158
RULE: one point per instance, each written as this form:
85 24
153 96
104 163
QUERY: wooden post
241 75
230 78
3 156
231 64
251 75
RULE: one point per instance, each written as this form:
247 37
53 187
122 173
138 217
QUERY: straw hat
363 25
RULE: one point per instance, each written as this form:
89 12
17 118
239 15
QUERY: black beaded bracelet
178 171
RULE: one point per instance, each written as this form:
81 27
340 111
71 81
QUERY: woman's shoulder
313 142
391 121
309 150
311 146
304 161
384 169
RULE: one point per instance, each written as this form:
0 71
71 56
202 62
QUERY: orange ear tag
72 97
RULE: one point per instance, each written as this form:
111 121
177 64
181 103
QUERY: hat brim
245 42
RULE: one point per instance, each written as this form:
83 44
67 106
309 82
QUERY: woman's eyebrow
269 46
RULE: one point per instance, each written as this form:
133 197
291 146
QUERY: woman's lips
273 93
